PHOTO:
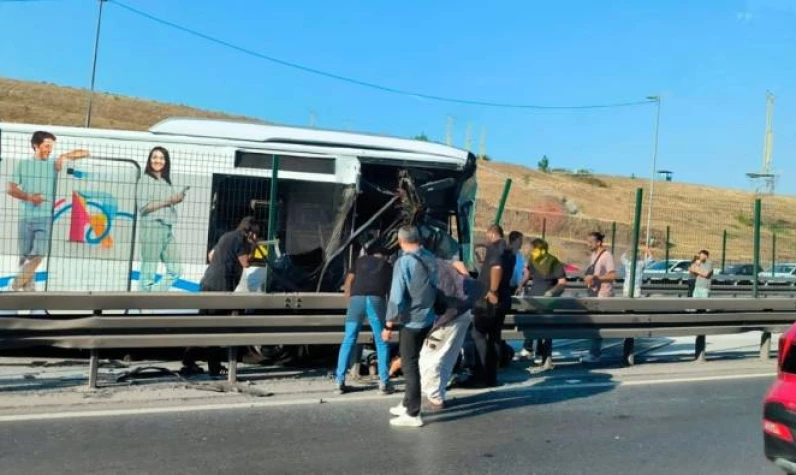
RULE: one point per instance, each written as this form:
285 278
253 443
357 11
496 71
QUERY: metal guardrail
578 289
307 319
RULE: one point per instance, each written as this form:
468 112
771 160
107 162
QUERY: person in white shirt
645 258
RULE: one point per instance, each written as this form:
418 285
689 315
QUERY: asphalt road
697 427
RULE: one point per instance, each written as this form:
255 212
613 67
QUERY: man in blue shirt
411 308
33 184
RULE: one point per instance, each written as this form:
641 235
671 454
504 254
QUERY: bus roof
256 135
279 134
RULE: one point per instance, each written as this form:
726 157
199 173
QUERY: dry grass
695 214
42 103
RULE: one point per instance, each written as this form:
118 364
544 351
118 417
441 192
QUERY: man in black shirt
490 314
227 260
366 289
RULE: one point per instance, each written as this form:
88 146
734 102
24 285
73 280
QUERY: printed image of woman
157 200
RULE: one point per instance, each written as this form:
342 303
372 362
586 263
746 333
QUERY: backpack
440 299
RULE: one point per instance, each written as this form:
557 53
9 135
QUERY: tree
544 165
422 137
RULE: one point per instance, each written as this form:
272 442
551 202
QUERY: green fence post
630 343
503 198
613 237
544 228
668 244
756 252
636 237
272 203
723 250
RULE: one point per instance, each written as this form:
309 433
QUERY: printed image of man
33 184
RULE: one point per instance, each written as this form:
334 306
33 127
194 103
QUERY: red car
779 408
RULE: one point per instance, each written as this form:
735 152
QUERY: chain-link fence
677 221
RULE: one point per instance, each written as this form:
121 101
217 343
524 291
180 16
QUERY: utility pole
769 143
657 100
312 119
468 137
449 131
94 63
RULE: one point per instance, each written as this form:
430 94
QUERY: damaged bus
334 193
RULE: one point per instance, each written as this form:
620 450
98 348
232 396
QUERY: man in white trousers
444 342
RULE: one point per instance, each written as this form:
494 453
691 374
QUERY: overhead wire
367 84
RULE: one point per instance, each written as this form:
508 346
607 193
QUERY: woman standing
156 204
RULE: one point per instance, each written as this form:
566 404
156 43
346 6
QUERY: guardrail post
756 252
503 199
628 352
699 352
232 371
765 346
93 368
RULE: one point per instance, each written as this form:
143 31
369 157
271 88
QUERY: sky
710 61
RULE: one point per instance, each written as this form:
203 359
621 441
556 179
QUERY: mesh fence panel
695 221
777 241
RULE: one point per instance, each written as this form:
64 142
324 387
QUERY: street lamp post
657 101
94 63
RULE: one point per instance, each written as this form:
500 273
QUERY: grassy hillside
42 103
567 205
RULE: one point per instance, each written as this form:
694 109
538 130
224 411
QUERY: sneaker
340 388
386 389
398 410
590 359
431 406
406 421
525 355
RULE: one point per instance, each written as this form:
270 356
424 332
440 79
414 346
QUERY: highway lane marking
535 386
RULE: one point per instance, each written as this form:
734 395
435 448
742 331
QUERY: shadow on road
546 391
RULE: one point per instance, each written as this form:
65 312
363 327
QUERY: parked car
735 274
671 271
779 407
784 273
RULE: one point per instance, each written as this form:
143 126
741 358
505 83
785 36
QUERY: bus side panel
96 234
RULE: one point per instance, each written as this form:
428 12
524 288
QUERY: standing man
444 343
703 270
366 288
548 279
227 260
490 313
411 309
33 184
599 279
